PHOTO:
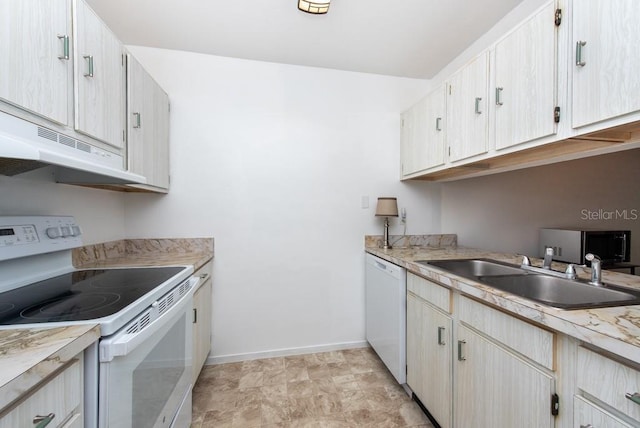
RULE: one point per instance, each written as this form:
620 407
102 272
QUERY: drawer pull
635 397
586 426
461 356
441 331
42 421
89 59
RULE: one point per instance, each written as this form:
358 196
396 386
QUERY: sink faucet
548 257
596 269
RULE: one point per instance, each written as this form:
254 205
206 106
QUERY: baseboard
221 359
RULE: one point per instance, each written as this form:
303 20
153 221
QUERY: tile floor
350 388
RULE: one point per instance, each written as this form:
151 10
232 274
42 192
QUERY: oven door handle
123 342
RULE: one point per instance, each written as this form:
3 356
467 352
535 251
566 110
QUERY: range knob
75 230
65 231
53 232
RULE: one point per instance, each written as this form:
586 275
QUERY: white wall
100 213
503 212
273 160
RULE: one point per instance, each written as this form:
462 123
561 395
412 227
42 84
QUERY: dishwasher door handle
381 266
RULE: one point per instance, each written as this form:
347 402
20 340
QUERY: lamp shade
317 7
387 207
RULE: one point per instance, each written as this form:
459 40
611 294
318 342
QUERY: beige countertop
29 355
615 329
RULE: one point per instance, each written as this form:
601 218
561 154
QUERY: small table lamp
387 207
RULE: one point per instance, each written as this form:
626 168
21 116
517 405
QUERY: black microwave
571 245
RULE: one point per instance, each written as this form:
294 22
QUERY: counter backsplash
140 248
408 241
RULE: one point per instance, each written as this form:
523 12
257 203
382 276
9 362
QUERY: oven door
145 368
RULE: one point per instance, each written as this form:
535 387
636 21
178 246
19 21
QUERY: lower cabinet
605 382
588 415
496 388
56 402
476 366
202 300
429 364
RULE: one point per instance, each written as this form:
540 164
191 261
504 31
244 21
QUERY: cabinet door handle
499 96
89 59
441 331
42 421
635 397
195 315
136 122
65 46
461 356
478 111
579 61
438 124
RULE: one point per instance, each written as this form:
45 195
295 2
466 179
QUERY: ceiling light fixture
316 7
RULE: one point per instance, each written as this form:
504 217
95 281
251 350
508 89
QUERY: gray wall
504 211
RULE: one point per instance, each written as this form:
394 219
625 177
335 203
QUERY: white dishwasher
386 309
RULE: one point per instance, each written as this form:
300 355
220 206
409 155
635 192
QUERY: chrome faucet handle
548 258
570 272
526 261
596 269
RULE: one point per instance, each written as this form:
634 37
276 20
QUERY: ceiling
407 38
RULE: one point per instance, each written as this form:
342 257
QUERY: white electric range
139 374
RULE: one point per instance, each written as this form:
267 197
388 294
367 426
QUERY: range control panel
31 235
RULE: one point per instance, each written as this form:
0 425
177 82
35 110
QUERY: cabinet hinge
555 404
558 17
556 115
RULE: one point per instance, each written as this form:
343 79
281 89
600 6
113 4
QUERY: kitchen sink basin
475 268
563 293
542 288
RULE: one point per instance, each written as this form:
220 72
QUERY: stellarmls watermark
602 214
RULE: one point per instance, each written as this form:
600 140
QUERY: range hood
25 146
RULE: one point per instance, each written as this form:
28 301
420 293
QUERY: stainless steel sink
563 293
475 268
539 287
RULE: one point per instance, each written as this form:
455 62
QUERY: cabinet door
99 78
495 388
429 351
423 137
467 110
606 40
34 56
587 415
201 326
525 90
147 126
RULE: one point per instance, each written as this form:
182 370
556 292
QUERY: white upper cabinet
422 145
99 78
147 126
35 56
606 39
467 123
525 81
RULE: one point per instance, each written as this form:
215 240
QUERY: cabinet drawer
586 414
205 273
609 381
62 396
531 341
433 293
